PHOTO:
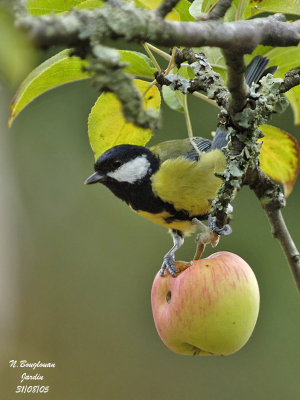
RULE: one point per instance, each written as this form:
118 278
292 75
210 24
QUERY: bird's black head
124 164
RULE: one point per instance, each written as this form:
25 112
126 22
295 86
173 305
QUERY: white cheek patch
132 171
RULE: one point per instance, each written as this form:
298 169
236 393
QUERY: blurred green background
77 268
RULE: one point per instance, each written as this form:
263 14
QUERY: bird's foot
169 265
172 266
226 230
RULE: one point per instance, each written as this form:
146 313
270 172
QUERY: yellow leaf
280 156
107 127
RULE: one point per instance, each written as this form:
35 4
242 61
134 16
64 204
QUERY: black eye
116 164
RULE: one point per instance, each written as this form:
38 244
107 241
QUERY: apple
210 308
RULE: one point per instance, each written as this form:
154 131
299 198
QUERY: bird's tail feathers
257 69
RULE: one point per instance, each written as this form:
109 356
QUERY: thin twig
205 98
280 232
291 79
160 52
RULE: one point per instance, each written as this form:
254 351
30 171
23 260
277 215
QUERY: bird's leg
204 238
169 258
210 234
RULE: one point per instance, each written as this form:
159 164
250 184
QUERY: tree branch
124 21
236 82
280 232
272 200
292 79
206 79
243 149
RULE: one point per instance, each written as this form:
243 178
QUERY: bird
173 183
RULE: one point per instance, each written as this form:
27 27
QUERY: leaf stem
158 51
171 62
149 52
189 124
239 10
187 117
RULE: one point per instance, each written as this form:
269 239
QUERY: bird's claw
226 230
169 264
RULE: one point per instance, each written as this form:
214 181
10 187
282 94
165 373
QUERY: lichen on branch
206 79
243 148
121 20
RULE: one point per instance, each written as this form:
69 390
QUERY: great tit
174 182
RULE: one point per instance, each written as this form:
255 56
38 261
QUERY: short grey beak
96 177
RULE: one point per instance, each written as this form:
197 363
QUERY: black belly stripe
186 217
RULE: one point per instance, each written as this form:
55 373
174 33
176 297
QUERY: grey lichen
206 79
243 149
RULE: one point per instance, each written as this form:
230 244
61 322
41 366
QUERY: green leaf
139 64
280 156
286 58
90 4
62 68
272 6
40 7
173 98
179 13
107 127
55 71
236 11
17 56
183 10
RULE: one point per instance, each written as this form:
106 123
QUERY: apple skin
210 308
